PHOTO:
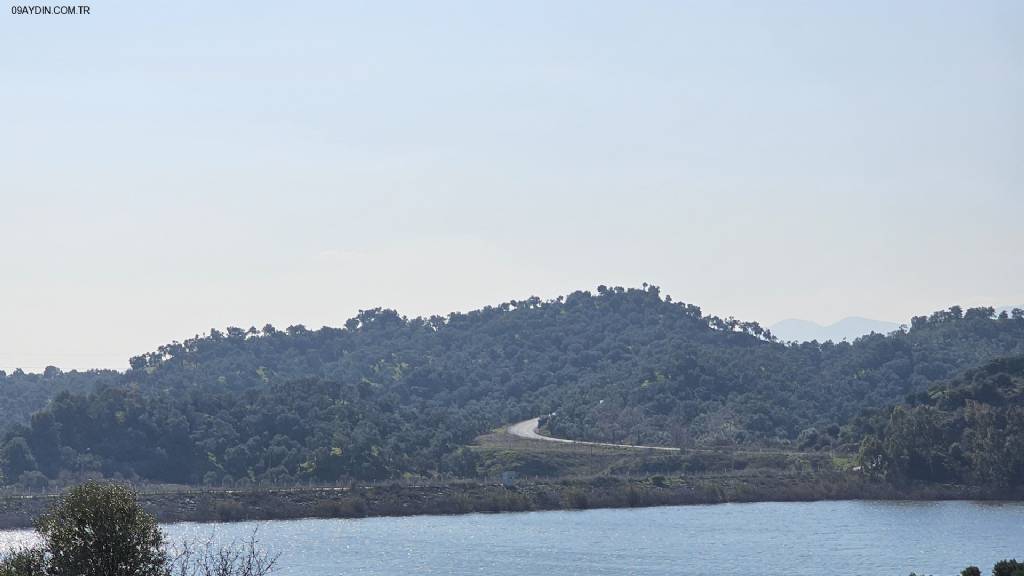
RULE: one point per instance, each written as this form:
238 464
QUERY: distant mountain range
849 328
846 329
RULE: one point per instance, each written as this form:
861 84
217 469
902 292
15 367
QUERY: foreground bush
27 562
205 559
99 529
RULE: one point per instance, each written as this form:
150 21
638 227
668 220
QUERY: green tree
16 458
99 529
1008 568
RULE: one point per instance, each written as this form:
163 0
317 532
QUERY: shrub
228 510
24 562
101 530
236 559
576 499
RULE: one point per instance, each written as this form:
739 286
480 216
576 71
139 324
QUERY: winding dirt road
528 429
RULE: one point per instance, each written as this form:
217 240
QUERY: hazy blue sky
168 167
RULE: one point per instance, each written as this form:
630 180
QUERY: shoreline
469 496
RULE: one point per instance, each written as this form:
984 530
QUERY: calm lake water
790 539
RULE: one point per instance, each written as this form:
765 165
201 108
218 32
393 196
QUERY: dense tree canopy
22 394
970 429
386 395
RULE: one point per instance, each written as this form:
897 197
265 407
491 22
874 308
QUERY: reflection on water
790 539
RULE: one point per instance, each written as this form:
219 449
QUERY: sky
170 167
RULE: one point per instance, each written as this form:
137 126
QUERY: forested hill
970 429
799 392
387 395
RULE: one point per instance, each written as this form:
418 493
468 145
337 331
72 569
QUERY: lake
790 539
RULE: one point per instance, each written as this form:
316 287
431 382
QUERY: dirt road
528 429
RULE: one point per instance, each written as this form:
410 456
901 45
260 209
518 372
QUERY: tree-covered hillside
386 395
22 394
970 429
710 394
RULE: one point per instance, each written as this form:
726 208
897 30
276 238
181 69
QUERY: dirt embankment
468 496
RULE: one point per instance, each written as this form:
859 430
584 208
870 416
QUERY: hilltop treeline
387 396
803 393
22 393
